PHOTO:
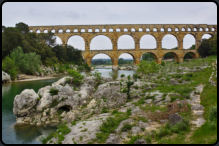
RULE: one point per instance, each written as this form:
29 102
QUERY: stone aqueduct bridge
136 31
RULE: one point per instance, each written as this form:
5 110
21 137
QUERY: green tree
11 38
203 49
22 27
147 56
9 66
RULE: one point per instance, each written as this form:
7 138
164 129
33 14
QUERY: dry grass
172 108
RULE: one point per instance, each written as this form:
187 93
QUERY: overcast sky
45 14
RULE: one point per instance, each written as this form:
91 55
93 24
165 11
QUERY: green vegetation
129 83
110 124
208 47
122 75
53 91
146 67
77 77
62 130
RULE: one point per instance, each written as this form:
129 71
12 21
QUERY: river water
13 133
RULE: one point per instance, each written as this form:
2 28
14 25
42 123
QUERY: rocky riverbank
6 78
87 107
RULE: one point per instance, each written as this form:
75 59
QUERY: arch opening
206 29
29 31
155 29
103 30
101 42
149 57
132 30
60 31
97 30
183 29
117 30
201 29
162 29
189 29
126 58
68 30
82 30
169 30
195 29
148 42
171 55
176 29
147 29
110 30
169 41
75 30
189 42
140 29
53 31
101 59
58 40
125 30
45 31
38 31
126 42
190 55
90 30
77 42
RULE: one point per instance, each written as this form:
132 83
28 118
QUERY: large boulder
5 77
140 141
114 98
174 119
113 139
24 102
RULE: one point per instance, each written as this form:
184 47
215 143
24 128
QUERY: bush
9 66
77 77
13 73
86 67
163 63
122 75
126 127
135 77
61 69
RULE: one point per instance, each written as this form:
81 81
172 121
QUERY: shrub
104 110
163 63
115 111
77 77
135 77
53 91
122 75
126 127
61 69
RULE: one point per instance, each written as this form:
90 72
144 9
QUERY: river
13 133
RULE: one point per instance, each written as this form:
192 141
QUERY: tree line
44 44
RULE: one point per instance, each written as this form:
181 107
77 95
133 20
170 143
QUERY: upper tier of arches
127 28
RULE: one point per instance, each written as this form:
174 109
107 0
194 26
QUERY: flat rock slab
198 112
197 107
200 121
113 139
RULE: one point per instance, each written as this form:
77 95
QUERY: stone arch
96 30
110 30
185 40
75 30
189 29
154 29
153 54
140 29
194 55
133 30
90 30
103 30
37 31
68 30
133 56
176 29
207 34
60 31
169 29
177 41
183 29
176 56
53 30
141 46
45 31
195 29
82 47
59 40
147 29
82 30
200 29
97 53
162 29
206 29
117 30
101 35
123 41
125 30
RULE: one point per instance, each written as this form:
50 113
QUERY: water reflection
6 88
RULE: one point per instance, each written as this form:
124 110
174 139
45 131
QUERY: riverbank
34 78
176 89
